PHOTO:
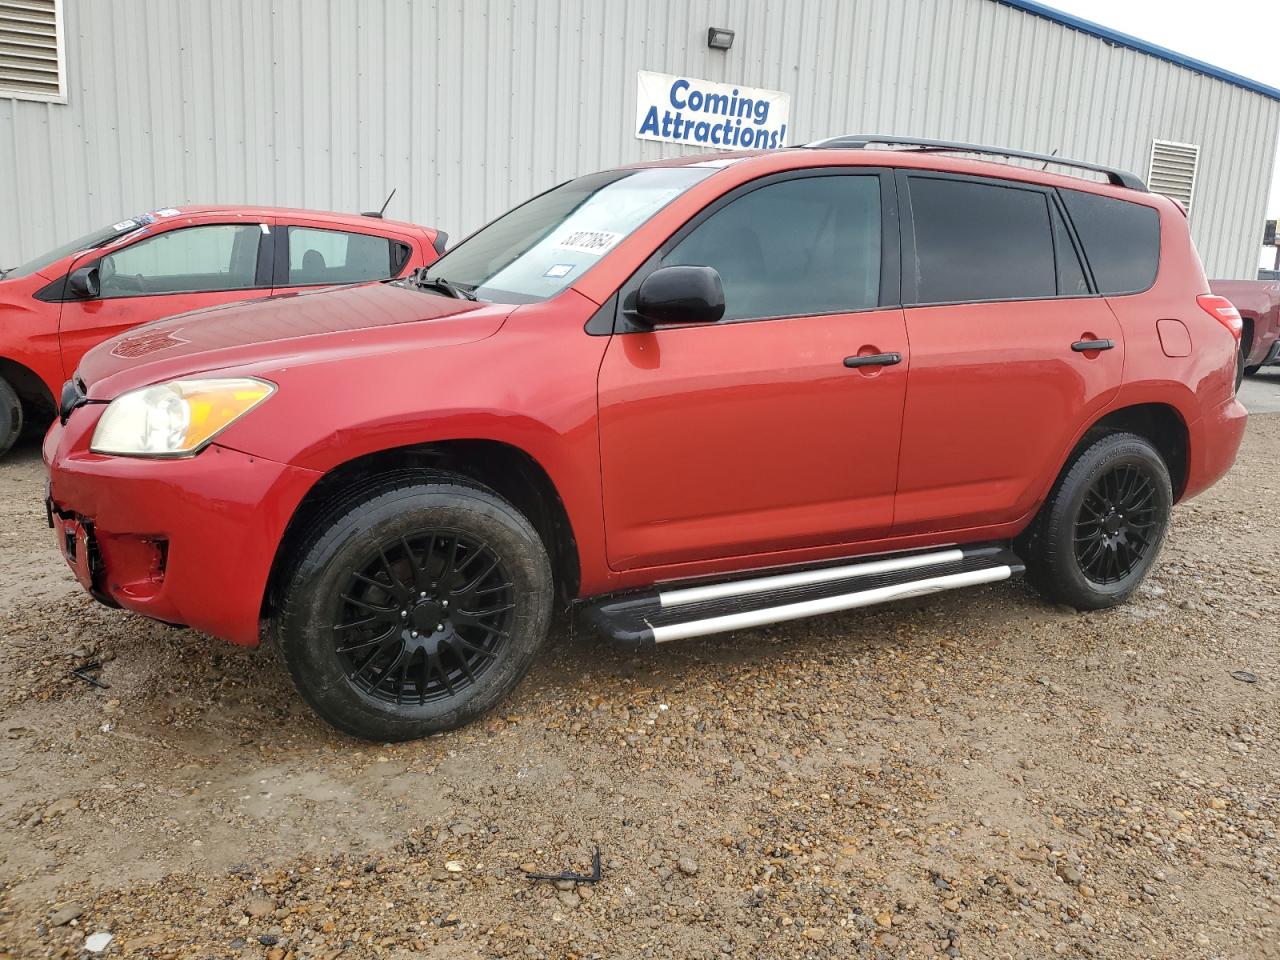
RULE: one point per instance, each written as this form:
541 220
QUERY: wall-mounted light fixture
719 38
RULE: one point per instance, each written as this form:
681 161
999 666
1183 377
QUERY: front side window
978 241
336 256
546 244
796 248
221 256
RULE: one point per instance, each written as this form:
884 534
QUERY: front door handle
1084 346
874 360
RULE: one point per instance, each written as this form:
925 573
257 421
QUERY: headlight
177 418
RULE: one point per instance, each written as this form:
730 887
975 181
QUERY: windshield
542 246
89 241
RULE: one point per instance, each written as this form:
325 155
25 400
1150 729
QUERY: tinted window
1121 240
1071 280
806 246
977 241
335 256
220 256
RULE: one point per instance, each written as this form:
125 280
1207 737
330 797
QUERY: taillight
1224 311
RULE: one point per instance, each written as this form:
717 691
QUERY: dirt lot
976 775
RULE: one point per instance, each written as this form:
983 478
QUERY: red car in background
173 260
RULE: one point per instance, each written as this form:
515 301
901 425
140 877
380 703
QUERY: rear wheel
10 417
416 608
1102 527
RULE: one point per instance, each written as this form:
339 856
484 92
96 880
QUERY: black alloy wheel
417 601
1116 523
424 618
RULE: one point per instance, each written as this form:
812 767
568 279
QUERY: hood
283 330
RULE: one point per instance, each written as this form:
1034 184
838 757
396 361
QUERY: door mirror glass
83 283
680 294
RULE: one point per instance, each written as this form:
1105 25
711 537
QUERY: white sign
679 109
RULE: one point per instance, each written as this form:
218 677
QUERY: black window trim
1084 257
616 318
280 272
909 238
56 291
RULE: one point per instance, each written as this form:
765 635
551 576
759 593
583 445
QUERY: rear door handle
1083 346
874 360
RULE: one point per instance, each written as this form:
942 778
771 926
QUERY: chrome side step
665 614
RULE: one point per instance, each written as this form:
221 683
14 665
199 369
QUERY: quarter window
335 256
977 241
799 247
1121 240
220 256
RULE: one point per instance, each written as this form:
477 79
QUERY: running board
677 613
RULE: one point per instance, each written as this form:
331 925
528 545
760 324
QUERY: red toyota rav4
56 307
692 396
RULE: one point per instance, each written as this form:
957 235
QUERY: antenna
379 213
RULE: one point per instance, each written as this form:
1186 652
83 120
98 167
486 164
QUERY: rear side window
796 248
977 241
335 256
1121 240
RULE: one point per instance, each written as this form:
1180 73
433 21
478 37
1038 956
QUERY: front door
999 311
752 435
186 268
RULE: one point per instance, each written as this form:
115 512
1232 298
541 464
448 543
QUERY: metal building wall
469 106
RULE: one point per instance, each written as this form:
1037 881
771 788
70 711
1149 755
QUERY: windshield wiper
4 273
420 279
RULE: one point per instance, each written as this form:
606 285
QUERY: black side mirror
680 294
83 283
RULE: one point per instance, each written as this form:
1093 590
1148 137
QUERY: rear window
977 241
1121 240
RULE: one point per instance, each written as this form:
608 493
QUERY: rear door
1009 349
752 435
320 254
200 263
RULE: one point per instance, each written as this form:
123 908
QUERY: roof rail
858 141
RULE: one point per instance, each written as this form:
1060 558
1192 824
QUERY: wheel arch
1160 424
29 386
509 471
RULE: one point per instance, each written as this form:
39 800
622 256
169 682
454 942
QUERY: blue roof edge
1142 46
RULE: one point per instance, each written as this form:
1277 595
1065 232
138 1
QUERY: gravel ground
977 774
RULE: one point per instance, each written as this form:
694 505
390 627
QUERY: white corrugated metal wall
469 106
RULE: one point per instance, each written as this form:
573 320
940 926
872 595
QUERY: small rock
585 892
884 919
64 916
259 907
267 940
687 866
97 942
1070 873
567 898
1086 891
454 866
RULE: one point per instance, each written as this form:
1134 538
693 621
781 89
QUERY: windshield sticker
124 225
168 212
558 271
594 242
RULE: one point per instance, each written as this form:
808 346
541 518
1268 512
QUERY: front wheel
1102 527
416 609
10 416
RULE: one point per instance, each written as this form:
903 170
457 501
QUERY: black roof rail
858 141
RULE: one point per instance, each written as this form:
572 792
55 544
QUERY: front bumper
188 541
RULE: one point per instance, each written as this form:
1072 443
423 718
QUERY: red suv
169 261
688 397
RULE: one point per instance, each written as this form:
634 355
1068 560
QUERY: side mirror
680 294
83 283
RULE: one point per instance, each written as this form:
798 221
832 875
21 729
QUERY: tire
1101 529
385 637
1252 371
10 417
